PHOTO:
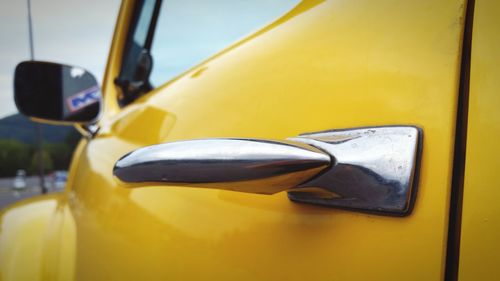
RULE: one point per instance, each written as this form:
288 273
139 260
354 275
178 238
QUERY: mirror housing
56 93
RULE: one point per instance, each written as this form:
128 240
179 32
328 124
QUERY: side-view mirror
55 92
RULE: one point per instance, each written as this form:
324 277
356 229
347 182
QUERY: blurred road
8 195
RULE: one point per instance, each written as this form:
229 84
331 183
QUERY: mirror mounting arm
88 131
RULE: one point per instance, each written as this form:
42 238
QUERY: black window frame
136 60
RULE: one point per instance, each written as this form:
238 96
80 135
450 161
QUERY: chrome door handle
246 165
368 169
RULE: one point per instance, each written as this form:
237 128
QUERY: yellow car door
479 228
322 65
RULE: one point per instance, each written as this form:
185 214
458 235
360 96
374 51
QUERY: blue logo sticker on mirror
83 99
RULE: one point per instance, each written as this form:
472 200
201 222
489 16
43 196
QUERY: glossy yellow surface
31 236
480 247
325 65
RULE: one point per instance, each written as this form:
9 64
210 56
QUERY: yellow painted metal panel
327 64
22 239
480 250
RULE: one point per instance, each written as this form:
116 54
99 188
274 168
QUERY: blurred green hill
18 146
20 128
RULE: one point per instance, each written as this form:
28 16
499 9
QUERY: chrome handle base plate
375 170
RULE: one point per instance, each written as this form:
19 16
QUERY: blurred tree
60 153
14 155
47 162
72 139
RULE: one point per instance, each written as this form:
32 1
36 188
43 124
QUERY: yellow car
342 140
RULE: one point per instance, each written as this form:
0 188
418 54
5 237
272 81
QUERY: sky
79 33
74 32
189 31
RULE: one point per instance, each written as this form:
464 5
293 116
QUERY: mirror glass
56 92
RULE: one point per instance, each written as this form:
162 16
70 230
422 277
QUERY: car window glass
189 31
141 31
